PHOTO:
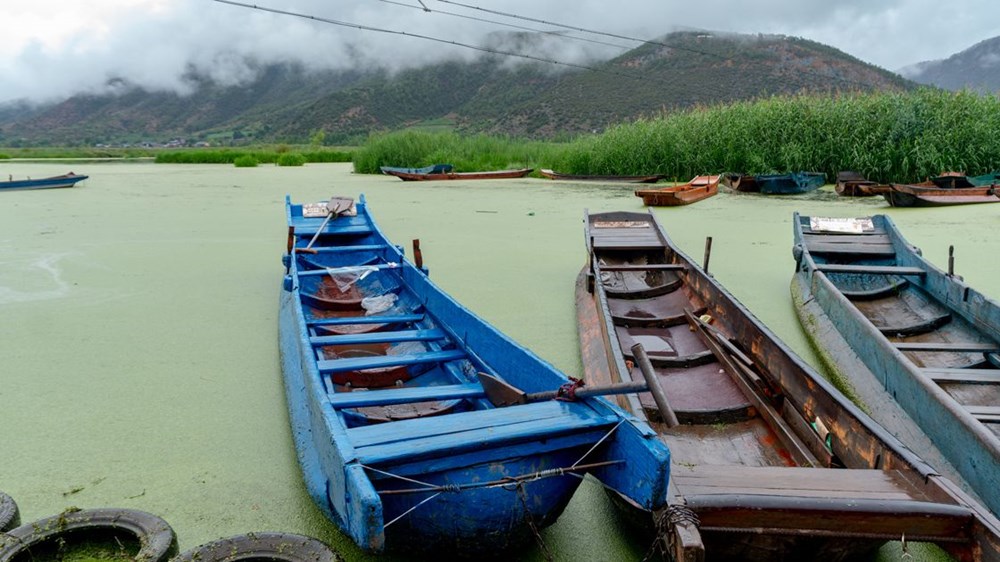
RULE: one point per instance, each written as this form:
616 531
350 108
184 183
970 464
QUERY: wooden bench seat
380 337
404 395
348 364
869 269
348 249
374 319
645 267
817 500
478 430
985 414
947 346
980 376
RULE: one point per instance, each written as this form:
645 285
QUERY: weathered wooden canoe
65 180
770 461
927 194
789 184
700 187
432 169
430 176
741 182
653 178
397 441
853 184
895 326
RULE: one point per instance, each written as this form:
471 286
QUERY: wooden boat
398 441
955 180
896 327
789 184
65 180
853 184
432 169
427 176
927 194
653 178
741 182
769 460
700 187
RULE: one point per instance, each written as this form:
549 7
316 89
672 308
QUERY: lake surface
139 322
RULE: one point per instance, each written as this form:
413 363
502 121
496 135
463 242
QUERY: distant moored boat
65 180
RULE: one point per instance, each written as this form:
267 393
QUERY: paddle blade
499 393
337 204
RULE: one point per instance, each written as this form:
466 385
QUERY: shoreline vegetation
886 136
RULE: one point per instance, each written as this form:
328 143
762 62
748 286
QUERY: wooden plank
375 319
989 414
405 395
344 249
868 250
871 269
788 480
360 363
975 376
647 267
319 272
879 237
947 346
380 337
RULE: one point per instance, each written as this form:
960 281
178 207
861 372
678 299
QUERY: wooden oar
334 206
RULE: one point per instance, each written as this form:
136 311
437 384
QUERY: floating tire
156 538
10 517
278 547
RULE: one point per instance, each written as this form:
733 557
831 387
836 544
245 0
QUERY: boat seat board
405 395
869 269
646 267
876 238
947 346
479 429
868 250
893 287
625 238
380 337
986 414
349 364
918 327
982 376
793 481
348 249
374 319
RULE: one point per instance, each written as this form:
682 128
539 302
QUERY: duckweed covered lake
139 336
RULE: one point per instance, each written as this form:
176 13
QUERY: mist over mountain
976 68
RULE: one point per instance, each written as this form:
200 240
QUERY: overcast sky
55 48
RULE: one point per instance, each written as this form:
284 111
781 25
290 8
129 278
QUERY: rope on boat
502 483
407 512
666 520
567 391
531 522
599 441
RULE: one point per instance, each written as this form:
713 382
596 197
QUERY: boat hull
653 178
906 195
701 187
495 175
55 182
789 184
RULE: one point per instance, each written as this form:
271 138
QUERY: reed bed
261 155
892 136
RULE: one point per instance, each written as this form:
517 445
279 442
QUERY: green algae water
139 322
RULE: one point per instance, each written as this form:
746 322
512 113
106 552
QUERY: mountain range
976 68
286 103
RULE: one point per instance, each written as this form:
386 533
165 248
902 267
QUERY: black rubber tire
278 547
10 517
156 538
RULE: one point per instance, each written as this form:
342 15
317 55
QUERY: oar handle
588 391
642 360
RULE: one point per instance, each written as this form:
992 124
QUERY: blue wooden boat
788 184
432 169
770 461
908 337
65 180
399 442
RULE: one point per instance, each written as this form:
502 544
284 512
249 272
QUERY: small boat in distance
741 182
789 184
653 178
65 180
902 332
400 441
769 461
418 174
853 184
927 194
432 169
700 187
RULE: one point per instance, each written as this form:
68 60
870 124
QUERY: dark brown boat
769 460
853 184
700 187
741 182
653 178
927 194
492 175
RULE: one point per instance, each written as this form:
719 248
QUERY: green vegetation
291 159
262 155
81 152
467 154
886 136
245 161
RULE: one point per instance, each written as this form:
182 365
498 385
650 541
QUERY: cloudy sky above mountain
55 48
